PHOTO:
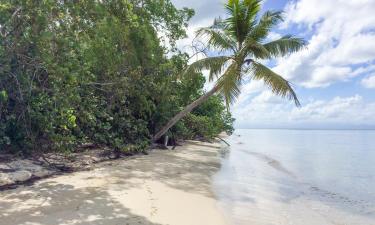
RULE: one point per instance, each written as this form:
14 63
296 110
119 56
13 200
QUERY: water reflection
298 177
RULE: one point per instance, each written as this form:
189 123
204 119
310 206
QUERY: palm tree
242 41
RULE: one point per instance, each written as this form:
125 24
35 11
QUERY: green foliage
3 96
73 72
208 120
242 37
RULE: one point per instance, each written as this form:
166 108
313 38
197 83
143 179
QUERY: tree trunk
183 113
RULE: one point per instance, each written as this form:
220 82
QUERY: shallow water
294 177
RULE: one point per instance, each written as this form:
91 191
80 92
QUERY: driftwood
224 141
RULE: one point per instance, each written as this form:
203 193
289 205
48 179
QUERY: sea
298 177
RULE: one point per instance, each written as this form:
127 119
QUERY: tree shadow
190 170
54 203
63 202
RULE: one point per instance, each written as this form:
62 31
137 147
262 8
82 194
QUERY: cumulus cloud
341 46
266 110
344 110
205 13
204 9
369 82
263 109
342 37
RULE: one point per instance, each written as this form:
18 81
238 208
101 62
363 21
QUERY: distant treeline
74 72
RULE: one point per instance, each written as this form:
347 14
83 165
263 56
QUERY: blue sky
334 77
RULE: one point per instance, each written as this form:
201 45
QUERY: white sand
165 187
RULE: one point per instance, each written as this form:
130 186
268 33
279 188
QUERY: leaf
254 49
214 64
277 83
217 39
241 18
285 45
3 96
229 84
265 24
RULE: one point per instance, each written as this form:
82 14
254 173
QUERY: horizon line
273 128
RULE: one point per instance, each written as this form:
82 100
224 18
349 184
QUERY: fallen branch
224 141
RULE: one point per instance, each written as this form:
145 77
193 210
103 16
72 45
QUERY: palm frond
229 84
214 64
252 9
265 24
277 83
232 21
244 35
241 18
219 23
254 49
217 39
285 45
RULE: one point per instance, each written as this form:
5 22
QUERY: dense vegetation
74 72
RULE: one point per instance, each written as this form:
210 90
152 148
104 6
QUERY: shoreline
165 187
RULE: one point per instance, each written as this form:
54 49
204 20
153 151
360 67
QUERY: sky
334 77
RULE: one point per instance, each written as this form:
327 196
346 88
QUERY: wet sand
165 187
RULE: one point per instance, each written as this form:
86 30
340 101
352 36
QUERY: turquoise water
310 177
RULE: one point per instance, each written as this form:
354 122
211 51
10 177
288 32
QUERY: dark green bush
94 71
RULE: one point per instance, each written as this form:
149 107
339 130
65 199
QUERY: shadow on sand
53 201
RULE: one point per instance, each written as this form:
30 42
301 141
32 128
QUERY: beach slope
166 187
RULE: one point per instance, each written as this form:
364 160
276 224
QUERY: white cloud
343 110
342 38
323 76
273 36
205 13
204 9
185 44
369 82
266 97
248 90
266 110
353 50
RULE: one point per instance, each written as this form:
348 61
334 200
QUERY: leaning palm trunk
184 112
243 37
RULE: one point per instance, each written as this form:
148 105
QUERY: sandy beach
166 187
